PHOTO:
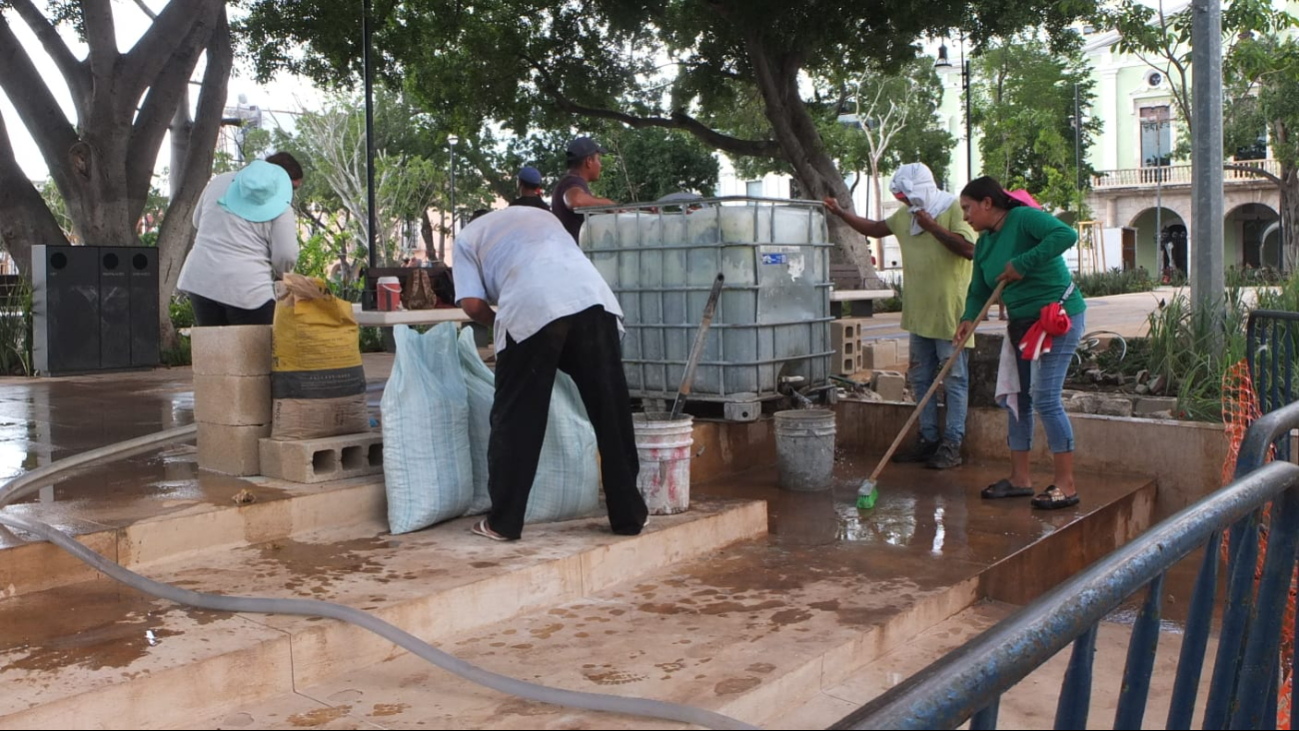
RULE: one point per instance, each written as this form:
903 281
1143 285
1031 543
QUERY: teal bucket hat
259 192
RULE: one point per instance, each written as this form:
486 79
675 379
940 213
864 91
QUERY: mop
869 492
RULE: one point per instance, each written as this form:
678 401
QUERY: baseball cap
583 147
530 176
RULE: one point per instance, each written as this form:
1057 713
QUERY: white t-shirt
523 260
235 261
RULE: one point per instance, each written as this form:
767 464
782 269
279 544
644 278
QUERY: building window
1255 151
753 188
1156 136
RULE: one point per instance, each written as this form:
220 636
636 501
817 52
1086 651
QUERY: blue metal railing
1272 342
968 683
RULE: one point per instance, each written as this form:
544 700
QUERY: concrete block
879 354
1152 405
230 449
845 336
242 350
1114 406
232 400
742 411
890 385
845 365
321 460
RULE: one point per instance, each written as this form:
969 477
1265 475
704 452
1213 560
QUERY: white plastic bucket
664 448
805 449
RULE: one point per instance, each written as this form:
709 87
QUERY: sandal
1003 488
1053 498
481 529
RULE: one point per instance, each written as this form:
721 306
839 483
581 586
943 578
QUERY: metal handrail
968 682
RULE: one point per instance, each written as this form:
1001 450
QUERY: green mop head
867 494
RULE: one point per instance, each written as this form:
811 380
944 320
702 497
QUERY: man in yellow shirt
937 249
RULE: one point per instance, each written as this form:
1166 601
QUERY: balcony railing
1178 175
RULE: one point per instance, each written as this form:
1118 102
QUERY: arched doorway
1251 238
1155 248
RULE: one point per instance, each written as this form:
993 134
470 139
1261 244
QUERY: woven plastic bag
426 460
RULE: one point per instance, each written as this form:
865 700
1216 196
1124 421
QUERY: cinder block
846 365
232 400
890 385
904 351
845 336
231 449
879 354
322 460
1149 405
241 350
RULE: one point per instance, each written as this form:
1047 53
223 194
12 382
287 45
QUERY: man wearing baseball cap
530 189
574 189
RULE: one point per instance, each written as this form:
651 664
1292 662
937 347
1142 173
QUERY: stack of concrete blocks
846 335
232 396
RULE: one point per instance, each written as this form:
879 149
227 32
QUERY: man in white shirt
554 312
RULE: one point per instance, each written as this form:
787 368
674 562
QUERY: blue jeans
1040 386
927 357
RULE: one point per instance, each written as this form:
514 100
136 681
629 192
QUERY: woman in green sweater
1022 246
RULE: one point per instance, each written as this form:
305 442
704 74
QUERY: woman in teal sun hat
247 238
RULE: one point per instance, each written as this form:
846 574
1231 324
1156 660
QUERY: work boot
920 451
947 455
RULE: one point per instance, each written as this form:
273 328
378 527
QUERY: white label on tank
789 256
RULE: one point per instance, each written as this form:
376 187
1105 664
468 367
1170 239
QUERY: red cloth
1052 323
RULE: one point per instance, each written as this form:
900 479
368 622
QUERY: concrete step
752 631
162 508
1032 703
94 654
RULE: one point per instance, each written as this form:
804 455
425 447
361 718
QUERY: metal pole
368 295
1077 147
969 137
1161 254
453 140
1206 156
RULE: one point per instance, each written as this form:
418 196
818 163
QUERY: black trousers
210 313
586 346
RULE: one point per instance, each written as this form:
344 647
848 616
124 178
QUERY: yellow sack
317 379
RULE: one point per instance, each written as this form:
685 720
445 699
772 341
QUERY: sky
282 96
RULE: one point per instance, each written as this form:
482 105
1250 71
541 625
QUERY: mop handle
956 353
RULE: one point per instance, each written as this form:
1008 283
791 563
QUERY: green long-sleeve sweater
1034 241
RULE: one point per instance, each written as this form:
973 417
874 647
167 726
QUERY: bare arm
954 242
578 198
864 226
479 311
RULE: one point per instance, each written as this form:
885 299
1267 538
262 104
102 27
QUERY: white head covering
916 182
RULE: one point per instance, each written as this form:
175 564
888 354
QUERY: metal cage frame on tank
773 318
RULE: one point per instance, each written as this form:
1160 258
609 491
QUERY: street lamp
1163 251
943 63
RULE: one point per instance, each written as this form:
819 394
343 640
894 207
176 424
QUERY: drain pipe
32 481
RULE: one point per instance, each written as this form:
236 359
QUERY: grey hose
313 608
30 482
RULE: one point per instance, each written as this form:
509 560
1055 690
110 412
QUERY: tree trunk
25 220
1290 216
177 233
799 139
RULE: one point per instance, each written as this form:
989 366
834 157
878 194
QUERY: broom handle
956 353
